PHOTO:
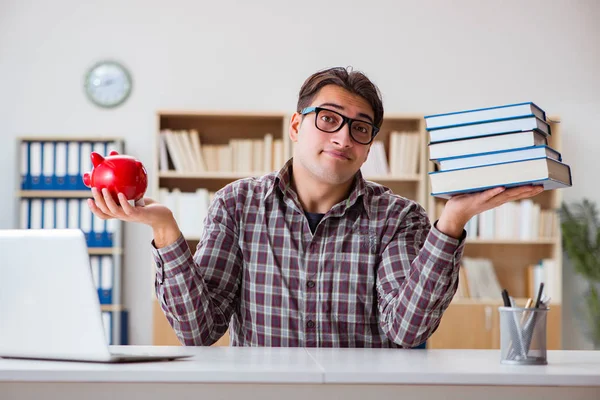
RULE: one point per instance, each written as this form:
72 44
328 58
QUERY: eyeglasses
331 121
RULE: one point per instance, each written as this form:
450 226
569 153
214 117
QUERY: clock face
108 84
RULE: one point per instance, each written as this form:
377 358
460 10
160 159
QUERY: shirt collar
360 190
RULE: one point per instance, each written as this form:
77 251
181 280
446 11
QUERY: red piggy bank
119 173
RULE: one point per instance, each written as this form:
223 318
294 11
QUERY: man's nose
342 137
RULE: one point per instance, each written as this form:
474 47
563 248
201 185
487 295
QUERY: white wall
427 57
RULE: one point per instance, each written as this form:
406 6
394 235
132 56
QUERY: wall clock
108 84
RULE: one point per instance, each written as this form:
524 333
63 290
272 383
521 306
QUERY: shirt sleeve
417 278
198 293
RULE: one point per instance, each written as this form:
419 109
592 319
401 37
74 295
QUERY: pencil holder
523 336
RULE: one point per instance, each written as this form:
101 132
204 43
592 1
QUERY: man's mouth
337 154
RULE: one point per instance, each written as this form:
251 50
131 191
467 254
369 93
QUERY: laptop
49 306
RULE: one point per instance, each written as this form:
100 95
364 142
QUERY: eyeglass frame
345 120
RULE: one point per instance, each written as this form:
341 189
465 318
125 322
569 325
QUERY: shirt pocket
349 280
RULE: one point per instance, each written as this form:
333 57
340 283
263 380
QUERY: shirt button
310 324
310 284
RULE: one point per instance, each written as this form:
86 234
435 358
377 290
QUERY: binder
35 221
48 158
25 166
95 266
60 166
48 214
106 280
35 165
85 163
60 213
25 214
85 222
116 326
74 177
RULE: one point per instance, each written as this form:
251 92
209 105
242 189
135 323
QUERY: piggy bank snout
87 179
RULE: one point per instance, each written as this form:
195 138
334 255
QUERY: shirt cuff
448 246
167 259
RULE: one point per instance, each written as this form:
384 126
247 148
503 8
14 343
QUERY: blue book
549 173
484 115
497 157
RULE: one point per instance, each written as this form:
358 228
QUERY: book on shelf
547 172
483 153
403 150
522 220
478 279
484 114
187 154
545 271
189 208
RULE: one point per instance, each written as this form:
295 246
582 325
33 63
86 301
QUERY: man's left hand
461 208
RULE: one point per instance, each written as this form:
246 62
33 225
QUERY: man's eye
361 129
327 118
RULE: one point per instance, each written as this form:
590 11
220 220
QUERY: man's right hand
148 212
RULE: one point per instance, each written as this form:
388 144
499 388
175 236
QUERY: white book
197 150
173 150
163 158
547 172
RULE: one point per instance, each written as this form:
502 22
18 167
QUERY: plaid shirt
374 274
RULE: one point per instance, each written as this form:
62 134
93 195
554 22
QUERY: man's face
335 157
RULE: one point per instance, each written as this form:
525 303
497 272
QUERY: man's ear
295 123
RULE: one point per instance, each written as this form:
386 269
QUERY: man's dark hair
354 81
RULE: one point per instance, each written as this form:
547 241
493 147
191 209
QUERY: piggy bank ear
113 153
97 159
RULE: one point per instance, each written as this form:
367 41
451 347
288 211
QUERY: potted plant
580 226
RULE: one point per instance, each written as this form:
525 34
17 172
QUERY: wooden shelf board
99 251
68 139
208 175
71 194
240 175
112 307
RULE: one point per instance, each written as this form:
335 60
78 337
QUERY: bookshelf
220 128
473 323
51 195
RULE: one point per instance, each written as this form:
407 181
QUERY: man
313 255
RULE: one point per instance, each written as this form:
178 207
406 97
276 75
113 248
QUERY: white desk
290 374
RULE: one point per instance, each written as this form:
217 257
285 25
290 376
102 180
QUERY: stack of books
484 148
